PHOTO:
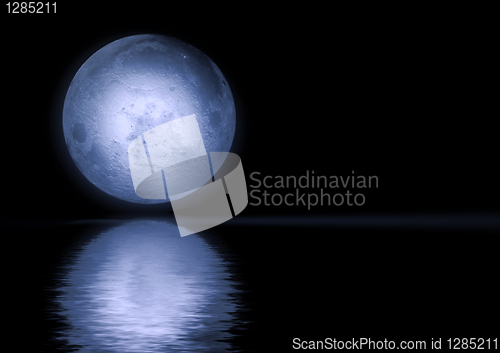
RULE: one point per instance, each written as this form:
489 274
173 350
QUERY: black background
404 94
408 98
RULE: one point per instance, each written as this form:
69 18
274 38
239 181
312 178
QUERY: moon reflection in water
140 287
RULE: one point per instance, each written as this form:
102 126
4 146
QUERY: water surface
140 287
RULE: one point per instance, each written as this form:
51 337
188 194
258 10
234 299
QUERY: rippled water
140 287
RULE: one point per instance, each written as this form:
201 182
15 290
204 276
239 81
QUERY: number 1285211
31 7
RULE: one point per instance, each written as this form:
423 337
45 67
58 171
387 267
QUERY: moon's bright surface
132 85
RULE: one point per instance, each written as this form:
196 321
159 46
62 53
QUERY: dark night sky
403 94
407 100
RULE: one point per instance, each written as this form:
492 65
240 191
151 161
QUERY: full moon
132 85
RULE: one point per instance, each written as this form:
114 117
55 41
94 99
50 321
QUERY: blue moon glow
132 85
